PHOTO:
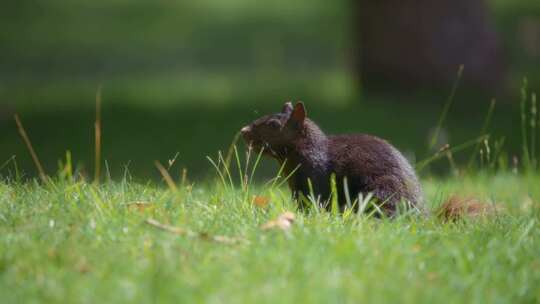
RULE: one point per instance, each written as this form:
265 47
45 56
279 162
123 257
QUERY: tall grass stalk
274 180
446 108
68 168
249 151
166 176
523 108
421 165
230 151
497 150
97 133
218 170
226 169
256 164
483 131
183 180
534 115
334 206
7 162
289 176
347 193
243 183
28 143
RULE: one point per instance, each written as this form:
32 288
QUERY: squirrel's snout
246 133
245 130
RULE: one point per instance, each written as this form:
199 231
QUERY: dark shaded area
134 137
421 44
182 76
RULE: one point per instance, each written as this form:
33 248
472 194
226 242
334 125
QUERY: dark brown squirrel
368 164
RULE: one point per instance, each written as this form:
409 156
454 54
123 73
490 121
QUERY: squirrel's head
274 133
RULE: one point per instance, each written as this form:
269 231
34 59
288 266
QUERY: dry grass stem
166 176
35 158
97 130
189 233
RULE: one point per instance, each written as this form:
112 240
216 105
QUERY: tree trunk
418 44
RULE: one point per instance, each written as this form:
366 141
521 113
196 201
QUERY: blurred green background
184 76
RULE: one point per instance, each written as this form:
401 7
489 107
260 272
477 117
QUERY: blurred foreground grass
70 241
184 77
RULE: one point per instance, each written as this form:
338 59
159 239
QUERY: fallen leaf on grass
284 222
201 235
82 265
456 208
260 201
138 206
416 248
52 253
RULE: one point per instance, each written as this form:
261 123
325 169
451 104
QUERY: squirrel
367 164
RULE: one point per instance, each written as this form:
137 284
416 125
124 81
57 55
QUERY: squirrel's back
373 165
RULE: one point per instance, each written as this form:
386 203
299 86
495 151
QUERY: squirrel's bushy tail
456 208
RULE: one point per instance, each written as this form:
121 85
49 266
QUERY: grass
166 89
66 239
73 241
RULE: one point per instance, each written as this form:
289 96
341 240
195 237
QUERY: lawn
178 81
71 241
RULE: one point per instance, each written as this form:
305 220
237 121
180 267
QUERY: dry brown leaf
138 206
82 265
457 207
260 201
284 222
51 253
416 248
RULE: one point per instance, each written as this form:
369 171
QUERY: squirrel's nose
245 130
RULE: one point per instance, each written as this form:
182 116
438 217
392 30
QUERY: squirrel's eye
274 124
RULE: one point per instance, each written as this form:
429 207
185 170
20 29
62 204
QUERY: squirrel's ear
287 108
299 113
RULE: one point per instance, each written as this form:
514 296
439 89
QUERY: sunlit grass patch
70 240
